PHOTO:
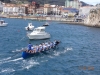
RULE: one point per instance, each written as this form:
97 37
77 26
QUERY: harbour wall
53 18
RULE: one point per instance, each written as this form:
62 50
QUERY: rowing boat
27 53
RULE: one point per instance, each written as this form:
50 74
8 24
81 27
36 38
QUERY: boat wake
7 60
28 64
66 49
6 71
31 62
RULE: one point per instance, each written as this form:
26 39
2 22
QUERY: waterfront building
31 9
40 10
13 9
72 4
69 12
47 9
55 9
52 9
1 6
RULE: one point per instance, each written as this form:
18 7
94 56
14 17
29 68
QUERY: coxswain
29 46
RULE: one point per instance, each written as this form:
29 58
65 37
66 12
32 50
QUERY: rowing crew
41 47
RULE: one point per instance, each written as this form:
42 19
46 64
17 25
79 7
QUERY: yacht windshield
41 30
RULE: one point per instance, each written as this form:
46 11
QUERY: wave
69 48
7 60
28 64
44 60
7 70
66 49
15 59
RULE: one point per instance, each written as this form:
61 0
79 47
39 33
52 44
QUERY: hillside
85 4
57 2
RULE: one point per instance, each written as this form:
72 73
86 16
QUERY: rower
48 45
51 44
44 47
40 48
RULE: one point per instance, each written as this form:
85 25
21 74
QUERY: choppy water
78 52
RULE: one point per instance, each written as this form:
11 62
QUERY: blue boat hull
27 55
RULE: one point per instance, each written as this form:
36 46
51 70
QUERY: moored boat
29 53
2 23
46 24
29 27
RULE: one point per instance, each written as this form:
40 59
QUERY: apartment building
72 4
13 9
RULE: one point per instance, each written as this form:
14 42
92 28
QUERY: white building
54 9
51 9
47 8
14 9
72 4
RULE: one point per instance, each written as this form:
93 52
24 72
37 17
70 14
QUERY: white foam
16 50
7 70
51 56
5 59
16 59
29 64
44 60
62 52
57 53
68 48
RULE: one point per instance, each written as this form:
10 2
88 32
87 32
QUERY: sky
93 2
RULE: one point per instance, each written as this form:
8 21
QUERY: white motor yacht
38 33
29 27
2 23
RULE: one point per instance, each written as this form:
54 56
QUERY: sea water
77 54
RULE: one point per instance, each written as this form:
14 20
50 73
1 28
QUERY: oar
20 50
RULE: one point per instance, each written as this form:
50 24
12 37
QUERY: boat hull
39 36
4 24
29 28
45 25
27 55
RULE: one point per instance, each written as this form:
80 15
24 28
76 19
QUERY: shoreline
53 18
75 23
